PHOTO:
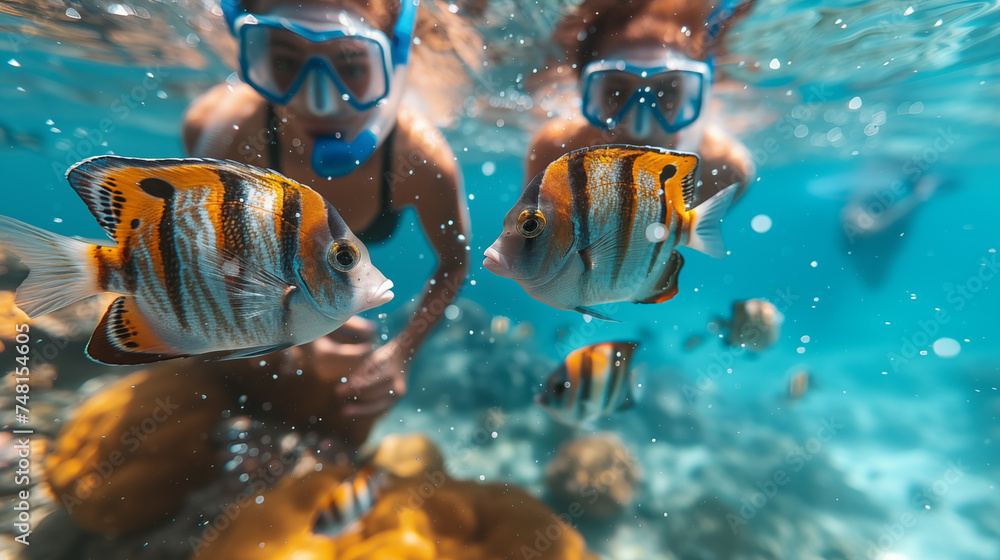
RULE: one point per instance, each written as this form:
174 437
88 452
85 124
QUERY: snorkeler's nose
322 94
640 120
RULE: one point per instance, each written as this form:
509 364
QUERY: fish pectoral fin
667 284
603 252
253 352
252 289
706 223
595 314
124 337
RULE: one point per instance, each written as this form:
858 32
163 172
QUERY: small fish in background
499 325
209 257
600 225
351 500
800 382
756 325
593 382
693 342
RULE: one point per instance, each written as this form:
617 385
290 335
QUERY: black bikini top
387 219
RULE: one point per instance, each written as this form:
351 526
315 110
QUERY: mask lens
360 65
607 93
276 58
677 96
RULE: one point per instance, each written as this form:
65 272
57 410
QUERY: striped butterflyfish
600 225
592 382
350 500
208 256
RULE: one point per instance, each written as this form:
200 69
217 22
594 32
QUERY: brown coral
593 475
131 453
426 516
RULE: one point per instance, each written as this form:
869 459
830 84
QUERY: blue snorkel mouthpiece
335 157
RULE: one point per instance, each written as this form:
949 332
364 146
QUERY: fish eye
343 255
530 223
557 387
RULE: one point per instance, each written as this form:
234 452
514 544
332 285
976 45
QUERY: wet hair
679 24
381 14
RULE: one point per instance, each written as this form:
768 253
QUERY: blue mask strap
719 16
231 9
402 32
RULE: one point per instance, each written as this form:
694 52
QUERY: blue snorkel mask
670 88
347 68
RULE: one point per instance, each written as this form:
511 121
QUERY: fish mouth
496 263
381 294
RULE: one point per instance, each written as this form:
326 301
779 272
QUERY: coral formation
595 475
424 516
131 453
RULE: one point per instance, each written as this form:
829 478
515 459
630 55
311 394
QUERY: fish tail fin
61 270
706 231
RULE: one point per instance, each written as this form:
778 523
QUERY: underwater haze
872 228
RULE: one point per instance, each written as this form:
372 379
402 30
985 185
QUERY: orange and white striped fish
350 500
209 256
600 225
592 382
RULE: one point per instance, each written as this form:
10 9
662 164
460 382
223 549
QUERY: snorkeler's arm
435 190
553 140
730 159
213 120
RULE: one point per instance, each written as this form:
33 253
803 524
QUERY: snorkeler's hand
376 383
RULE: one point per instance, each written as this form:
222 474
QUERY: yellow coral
131 453
427 516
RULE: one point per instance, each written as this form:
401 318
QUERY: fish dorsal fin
688 186
123 193
666 285
125 337
672 169
603 252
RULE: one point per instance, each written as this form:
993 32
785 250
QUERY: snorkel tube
337 155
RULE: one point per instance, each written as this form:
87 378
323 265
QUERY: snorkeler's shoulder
422 150
720 146
555 138
223 107
724 161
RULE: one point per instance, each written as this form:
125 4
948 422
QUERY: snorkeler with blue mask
645 70
345 69
320 99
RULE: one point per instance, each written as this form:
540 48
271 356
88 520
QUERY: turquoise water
861 316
